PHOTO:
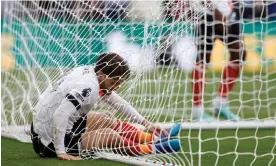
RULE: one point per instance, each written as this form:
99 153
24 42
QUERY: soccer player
63 126
220 23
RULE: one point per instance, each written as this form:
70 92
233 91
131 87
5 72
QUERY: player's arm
69 105
128 111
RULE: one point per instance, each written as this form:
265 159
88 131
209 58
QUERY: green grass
220 147
252 97
18 153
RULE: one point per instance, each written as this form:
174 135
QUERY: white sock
219 102
198 111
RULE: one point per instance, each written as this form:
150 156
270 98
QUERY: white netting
41 40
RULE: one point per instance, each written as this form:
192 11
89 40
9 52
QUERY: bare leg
100 120
101 138
108 138
103 120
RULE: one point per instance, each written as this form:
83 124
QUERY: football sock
132 148
197 84
197 111
230 74
129 131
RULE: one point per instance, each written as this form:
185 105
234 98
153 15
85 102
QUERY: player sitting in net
63 126
220 23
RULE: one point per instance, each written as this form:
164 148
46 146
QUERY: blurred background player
220 23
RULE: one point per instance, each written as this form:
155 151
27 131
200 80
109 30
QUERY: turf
254 96
18 153
218 147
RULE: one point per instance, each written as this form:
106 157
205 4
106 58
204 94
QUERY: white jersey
82 84
68 99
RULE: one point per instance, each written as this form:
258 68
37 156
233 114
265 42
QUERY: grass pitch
254 96
219 147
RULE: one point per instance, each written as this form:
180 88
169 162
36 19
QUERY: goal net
41 40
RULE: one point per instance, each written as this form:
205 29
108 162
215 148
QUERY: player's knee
108 119
104 119
99 115
107 114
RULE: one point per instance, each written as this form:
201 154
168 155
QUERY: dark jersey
208 28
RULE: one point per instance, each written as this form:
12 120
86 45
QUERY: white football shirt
55 114
82 84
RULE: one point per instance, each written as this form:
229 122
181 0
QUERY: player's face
113 84
109 84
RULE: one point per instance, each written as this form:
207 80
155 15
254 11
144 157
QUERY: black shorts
72 141
207 30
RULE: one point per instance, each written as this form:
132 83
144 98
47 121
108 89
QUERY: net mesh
42 40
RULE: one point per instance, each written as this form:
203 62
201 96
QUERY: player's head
112 71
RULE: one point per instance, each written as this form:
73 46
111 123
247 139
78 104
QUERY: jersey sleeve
60 121
79 96
71 103
123 107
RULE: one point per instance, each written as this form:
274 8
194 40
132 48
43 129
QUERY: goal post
40 40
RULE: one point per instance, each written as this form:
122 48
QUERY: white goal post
40 40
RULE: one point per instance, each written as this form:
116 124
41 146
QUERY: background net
43 39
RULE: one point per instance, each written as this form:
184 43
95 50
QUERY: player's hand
65 156
157 130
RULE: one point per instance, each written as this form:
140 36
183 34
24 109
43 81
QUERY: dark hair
113 65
